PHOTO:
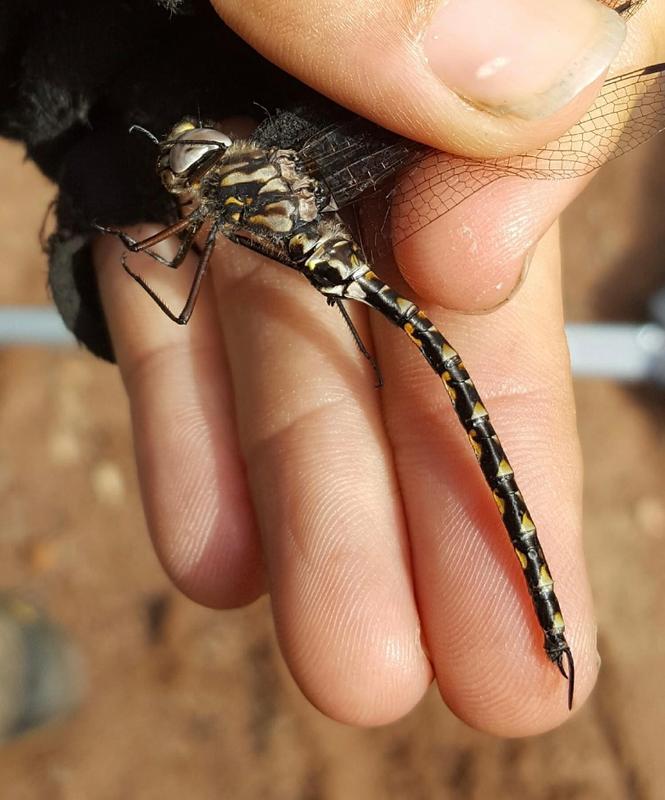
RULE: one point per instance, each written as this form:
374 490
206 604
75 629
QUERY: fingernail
528 58
521 278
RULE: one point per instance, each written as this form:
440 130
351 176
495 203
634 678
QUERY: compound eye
197 143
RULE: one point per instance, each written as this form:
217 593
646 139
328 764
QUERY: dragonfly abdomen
338 257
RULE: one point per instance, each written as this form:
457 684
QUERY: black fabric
76 74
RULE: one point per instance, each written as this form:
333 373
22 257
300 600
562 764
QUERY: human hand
384 555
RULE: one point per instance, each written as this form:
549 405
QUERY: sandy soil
186 702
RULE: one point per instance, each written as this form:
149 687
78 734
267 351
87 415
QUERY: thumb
468 76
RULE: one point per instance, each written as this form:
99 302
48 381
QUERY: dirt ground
186 702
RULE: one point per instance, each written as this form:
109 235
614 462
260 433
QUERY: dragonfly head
187 154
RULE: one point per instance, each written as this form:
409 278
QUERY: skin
268 461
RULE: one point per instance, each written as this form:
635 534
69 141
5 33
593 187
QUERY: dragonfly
286 200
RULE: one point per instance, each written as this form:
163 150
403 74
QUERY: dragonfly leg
191 225
335 301
183 317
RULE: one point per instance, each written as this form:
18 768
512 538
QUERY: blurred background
176 700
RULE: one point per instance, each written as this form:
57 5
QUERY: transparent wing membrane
629 110
625 7
356 158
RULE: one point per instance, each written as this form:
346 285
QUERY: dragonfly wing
625 8
355 157
629 110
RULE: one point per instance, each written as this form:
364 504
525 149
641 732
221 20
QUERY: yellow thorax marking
276 222
260 175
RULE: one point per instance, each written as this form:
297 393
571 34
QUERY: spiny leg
183 317
142 246
335 301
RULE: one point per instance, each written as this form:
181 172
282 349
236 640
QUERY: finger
474 256
325 492
479 623
478 255
470 76
190 470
